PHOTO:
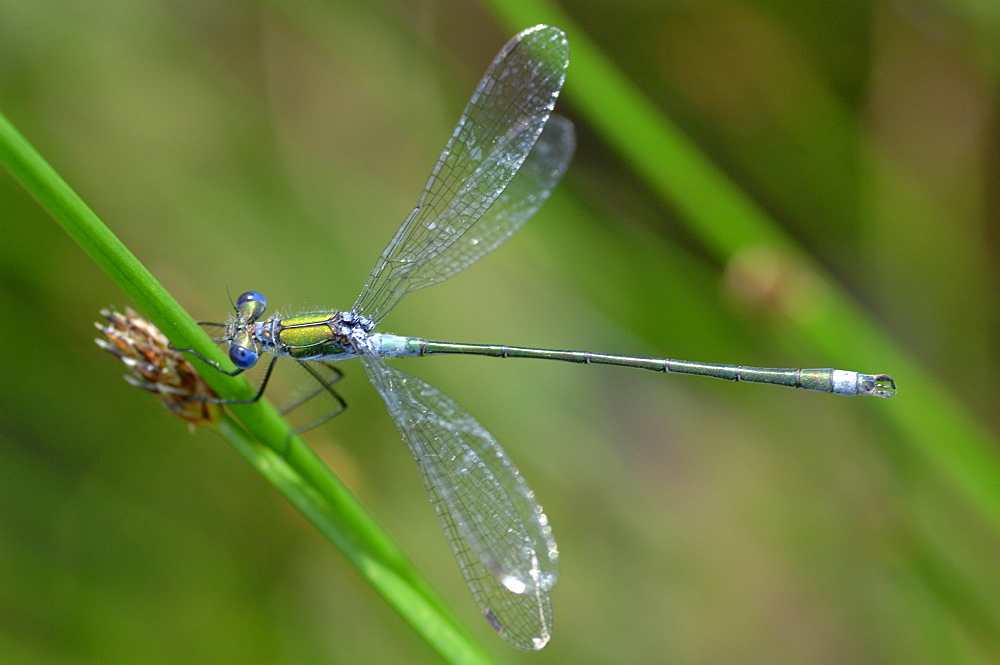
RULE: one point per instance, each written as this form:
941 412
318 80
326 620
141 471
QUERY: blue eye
251 296
242 357
251 306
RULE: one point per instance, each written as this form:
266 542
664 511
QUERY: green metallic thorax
308 335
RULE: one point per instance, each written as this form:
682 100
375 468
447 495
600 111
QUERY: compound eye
242 357
251 305
251 296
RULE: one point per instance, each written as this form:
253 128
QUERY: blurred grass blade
729 223
289 464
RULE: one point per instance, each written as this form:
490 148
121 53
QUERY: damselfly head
241 335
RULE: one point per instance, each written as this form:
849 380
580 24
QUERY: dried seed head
155 366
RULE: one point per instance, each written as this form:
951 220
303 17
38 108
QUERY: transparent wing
527 191
492 139
498 532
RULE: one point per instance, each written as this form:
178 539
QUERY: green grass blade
289 464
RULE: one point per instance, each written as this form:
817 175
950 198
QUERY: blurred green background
276 146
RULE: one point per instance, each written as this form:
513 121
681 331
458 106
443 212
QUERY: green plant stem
288 463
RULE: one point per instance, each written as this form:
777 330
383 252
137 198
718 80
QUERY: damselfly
501 163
